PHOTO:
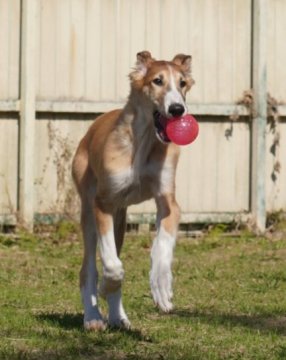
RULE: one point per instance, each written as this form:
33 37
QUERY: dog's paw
95 325
93 319
161 287
120 323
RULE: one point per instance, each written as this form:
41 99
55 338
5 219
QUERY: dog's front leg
110 288
112 267
162 251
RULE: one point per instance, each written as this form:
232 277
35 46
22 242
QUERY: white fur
161 275
122 180
92 316
167 179
117 316
173 95
113 272
133 178
89 293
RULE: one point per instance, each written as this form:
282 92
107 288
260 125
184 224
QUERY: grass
230 298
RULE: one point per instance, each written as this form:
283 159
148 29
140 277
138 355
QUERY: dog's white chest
133 185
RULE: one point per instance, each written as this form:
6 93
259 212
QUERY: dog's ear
144 60
185 61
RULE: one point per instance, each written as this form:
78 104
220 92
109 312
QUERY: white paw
93 319
95 325
121 323
117 316
161 286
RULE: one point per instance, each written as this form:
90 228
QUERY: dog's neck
141 106
138 115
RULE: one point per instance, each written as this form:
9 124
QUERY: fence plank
259 83
27 113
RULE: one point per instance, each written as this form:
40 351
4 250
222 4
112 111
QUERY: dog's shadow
65 321
265 323
70 321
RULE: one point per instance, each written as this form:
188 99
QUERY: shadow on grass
264 323
74 321
64 320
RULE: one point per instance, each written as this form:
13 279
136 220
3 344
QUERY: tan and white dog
126 158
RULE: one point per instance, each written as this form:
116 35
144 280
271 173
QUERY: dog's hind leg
117 316
88 274
162 251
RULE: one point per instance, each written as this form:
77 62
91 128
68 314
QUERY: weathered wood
8 219
188 218
27 113
96 107
86 49
259 84
9 105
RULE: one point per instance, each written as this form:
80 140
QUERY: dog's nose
176 109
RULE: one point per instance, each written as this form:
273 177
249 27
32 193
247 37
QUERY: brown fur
121 162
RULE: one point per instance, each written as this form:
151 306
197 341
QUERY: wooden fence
63 61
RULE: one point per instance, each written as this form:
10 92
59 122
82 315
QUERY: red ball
182 130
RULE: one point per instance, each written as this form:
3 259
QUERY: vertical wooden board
168 23
93 39
14 46
4 57
137 28
259 121
234 168
218 175
77 51
234 43
153 27
108 50
8 163
46 86
182 32
276 54
219 33
271 45
45 189
241 76
210 51
195 30
125 59
9 54
174 31
276 169
57 138
64 50
225 51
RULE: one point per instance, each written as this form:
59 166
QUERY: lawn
229 295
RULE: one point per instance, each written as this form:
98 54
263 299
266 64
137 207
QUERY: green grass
230 300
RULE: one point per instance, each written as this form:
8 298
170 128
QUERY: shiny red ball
182 130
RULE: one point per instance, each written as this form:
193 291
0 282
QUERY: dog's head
165 84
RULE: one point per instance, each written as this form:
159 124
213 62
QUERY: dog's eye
182 83
158 81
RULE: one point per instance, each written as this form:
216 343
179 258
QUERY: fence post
259 85
27 113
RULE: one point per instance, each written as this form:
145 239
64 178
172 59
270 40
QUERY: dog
125 158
